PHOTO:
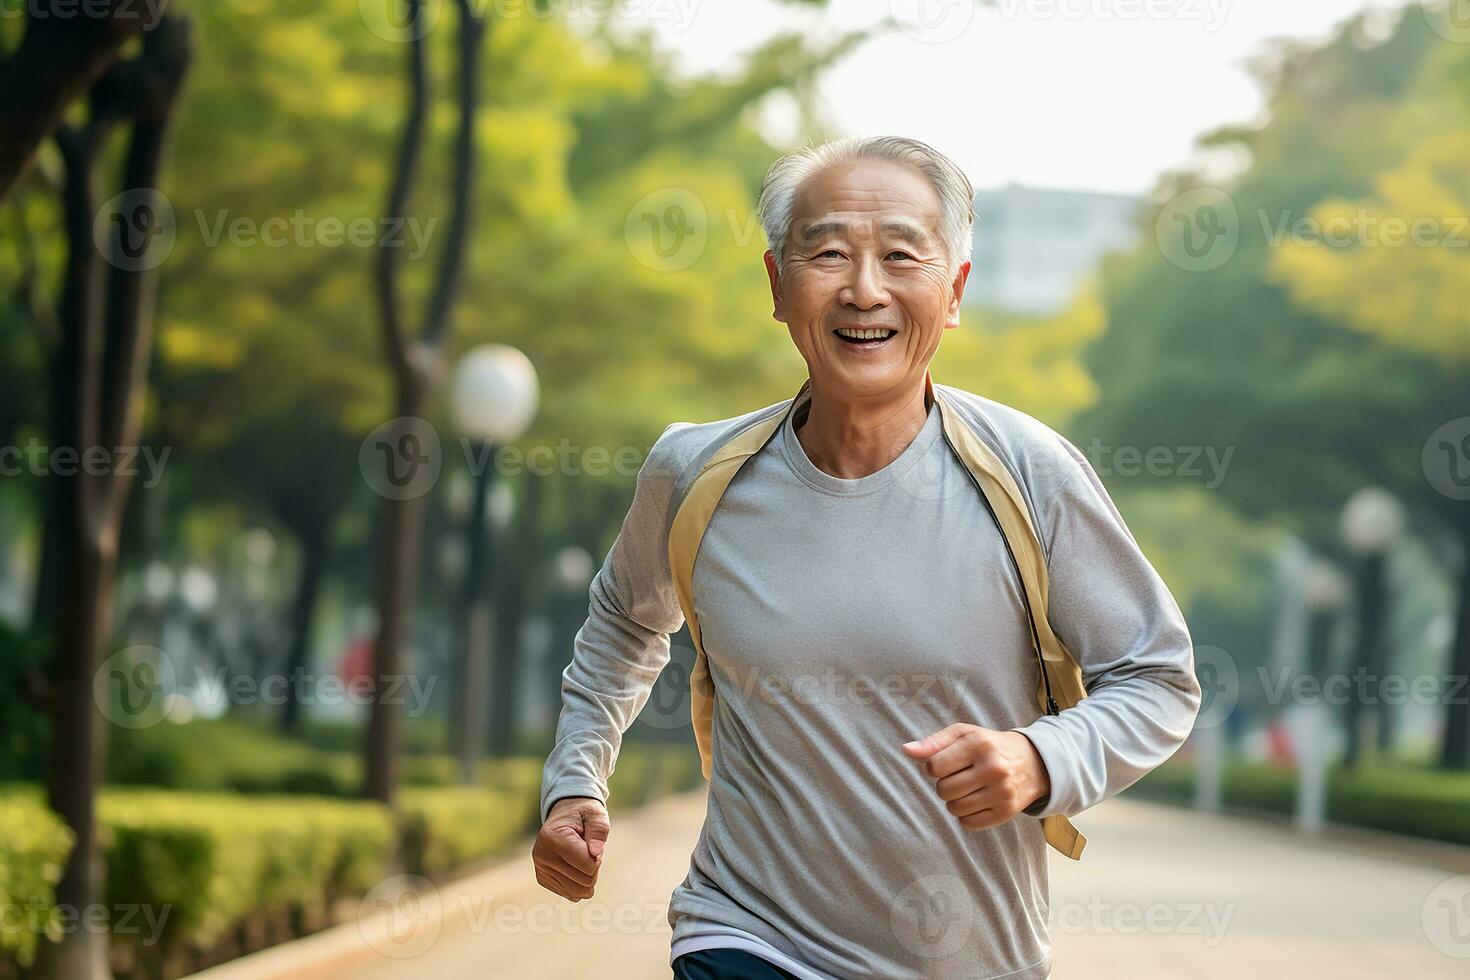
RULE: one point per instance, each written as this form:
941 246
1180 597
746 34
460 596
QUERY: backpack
1061 678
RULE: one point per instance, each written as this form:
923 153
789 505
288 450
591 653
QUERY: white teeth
865 334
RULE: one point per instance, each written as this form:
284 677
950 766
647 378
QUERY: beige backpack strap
685 535
1061 677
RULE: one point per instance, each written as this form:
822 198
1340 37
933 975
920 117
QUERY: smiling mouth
876 337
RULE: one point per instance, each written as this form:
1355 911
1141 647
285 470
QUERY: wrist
1038 777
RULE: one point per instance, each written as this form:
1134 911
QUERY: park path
1163 893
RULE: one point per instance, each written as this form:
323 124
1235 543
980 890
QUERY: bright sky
1084 94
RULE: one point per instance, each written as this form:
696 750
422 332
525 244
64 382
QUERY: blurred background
334 334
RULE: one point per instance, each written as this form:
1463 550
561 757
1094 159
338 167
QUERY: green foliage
34 845
1229 357
444 828
211 859
23 728
228 755
243 757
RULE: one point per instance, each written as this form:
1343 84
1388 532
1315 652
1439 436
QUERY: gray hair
785 177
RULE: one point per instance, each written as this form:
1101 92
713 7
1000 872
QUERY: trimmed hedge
222 873
228 755
444 828
34 845
1415 801
211 860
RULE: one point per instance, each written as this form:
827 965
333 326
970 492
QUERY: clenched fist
568 849
986 777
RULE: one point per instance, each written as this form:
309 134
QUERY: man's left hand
986 777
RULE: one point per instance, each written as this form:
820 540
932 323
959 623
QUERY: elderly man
925 637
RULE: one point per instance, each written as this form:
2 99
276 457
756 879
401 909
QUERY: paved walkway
1161 894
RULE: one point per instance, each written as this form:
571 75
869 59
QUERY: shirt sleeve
1114 613
620 650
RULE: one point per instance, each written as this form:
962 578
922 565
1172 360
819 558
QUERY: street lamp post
495 395
1323 592
1372 521
572 571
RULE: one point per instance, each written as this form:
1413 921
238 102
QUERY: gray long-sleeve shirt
842 618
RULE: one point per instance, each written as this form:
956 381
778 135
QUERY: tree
1398 270
416 361
106 322
1230 357
56 62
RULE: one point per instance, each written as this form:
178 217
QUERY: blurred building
1034 247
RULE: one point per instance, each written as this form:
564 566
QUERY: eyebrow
906 230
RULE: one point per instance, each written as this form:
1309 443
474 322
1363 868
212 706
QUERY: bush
222 873
227 755
33 848
444 828
1408 800
211 860
238 756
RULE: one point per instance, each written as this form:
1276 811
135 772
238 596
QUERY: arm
624 644
1117 617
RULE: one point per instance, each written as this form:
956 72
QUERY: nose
865 289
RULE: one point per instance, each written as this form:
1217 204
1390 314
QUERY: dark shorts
727 964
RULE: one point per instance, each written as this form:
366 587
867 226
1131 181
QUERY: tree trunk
473 634
313 563
58 59
1372 621
416 364
1455 752
77 750
510 607
110 346
397 587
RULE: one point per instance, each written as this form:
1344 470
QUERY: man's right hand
568 850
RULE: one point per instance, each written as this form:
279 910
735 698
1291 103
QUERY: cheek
810 297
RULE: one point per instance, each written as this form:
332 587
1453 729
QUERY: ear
778 311
957 294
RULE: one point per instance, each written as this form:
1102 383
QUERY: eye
830 251
901 252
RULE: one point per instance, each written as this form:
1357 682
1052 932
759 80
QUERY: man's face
865 252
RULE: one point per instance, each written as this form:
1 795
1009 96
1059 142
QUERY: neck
852 438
